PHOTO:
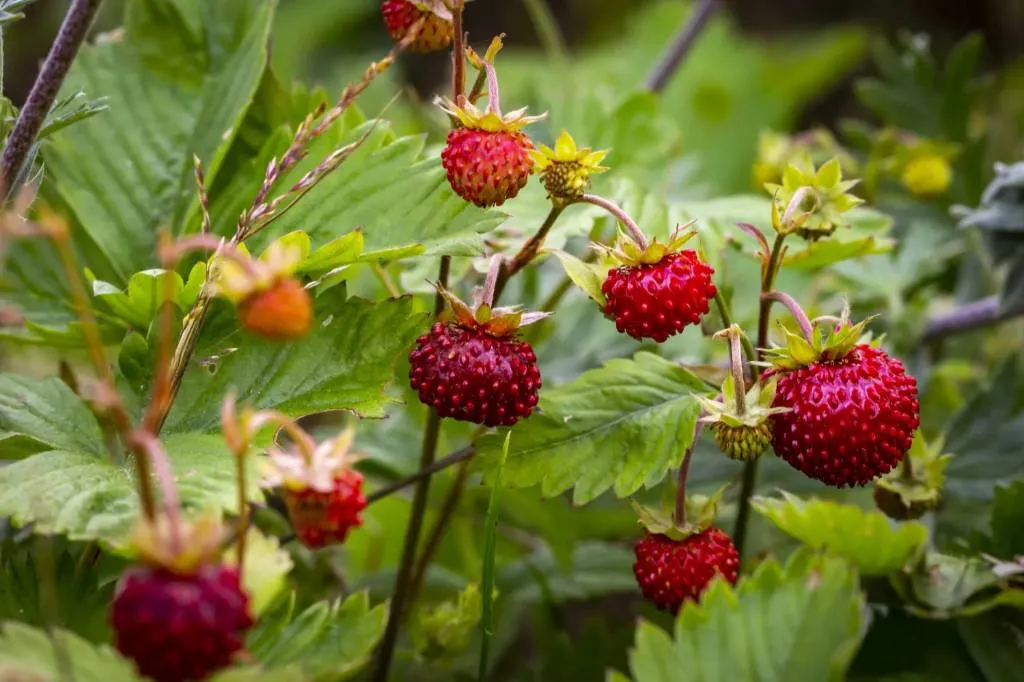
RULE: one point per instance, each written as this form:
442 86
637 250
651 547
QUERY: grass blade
490 540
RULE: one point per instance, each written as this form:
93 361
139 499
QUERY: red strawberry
852 412
487 156
671 572
467 373
180 615
435 34
324 518
180 627
280 313
322 491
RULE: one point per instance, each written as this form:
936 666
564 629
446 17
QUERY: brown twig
45 88
970 317
680 47
528 251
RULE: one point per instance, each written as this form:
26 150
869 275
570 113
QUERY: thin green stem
548 31
749 482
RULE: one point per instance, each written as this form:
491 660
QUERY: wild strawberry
739 421
270 301
487 157
436 32
852 408
671 572
810 202
915 487
181 615
472 368
566 170
658 289
322 491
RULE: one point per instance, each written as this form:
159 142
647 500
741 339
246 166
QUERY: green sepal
757 404
587 276
828 343
700 515
918 490
495 321
625 250
827 199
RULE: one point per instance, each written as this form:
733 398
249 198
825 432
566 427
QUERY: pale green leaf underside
801 622
128 171
621 426
44 414
867 539
345 363
30 651
88 497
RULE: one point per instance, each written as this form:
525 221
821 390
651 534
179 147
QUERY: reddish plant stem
684 470
493 273
680 47
806 328
528 251
634 230
462 455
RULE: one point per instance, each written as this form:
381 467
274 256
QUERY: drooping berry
280 313
320 487
436 32
671 572
851 417
180 627
742 442
658 300
468 374
487 168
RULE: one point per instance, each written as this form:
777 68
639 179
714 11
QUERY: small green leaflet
31 652
621 426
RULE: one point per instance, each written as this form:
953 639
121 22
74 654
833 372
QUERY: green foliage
327 641
866 539
490 541
798 622
622 426
28 651
442 630
336 368
45 414
137 305
10 11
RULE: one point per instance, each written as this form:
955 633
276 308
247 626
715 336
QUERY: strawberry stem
493 93
493 271
634 230
302 440
458 51
806 328
208 242
157 457
736 364
684 468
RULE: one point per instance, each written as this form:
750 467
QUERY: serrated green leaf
88 497
43 414
595 569
138 304
177 85
29 651
621 426
329 640
346 363
587 276
867 539
335 253
800 622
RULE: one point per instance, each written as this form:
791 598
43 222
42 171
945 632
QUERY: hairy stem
528 251
749 482
806 328
677 51
684 469
634 230
462 455
458 51
45 88
727 321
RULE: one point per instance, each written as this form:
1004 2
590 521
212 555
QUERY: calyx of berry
303 468
700 515
239 277
629 252
827 343
500 322
566 169
919 478
490 120
177 545
811 202
757 404
439 7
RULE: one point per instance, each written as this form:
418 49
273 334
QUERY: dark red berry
471 375
659 300
322 518
486 168
851 419
399 16
670 572
177 628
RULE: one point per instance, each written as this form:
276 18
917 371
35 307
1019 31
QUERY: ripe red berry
399 16
180 627
487 168
323 518
281 313
469 374
850 419
657 301
670 572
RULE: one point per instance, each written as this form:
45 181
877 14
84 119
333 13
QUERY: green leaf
621 426
1007 541
595 569
587 276
346 363
801 622
43 414
137 305
10 11
29 651
329 639
490 541
335 253
867 539
266 569
996 642
178 83
945 586
88 497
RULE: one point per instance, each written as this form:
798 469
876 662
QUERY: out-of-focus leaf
996 642
266 569
138 304
945 586
31 654
44 414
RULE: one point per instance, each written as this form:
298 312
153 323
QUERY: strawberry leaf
866 539
43 414
587 276
621 426
30 653
797 622
345 363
